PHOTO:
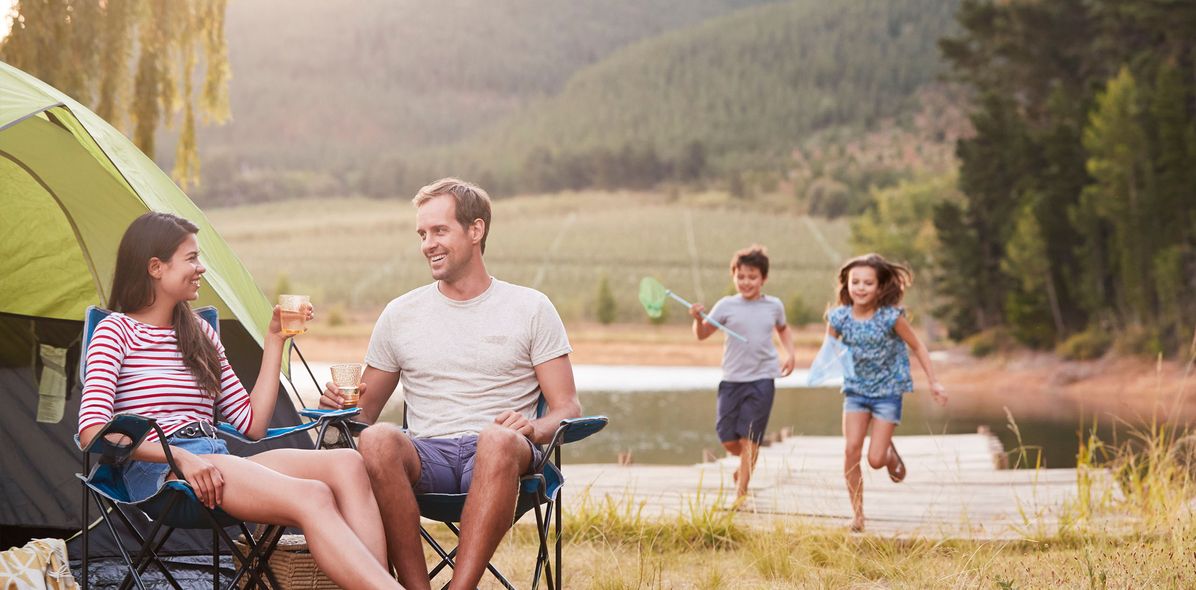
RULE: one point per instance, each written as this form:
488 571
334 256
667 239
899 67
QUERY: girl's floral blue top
880 356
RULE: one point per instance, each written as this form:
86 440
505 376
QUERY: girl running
871 323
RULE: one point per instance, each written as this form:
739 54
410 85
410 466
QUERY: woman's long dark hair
158 235
891 279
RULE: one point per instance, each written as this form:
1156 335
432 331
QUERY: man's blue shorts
743 409
446 464
887 408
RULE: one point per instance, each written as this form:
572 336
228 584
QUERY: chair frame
539 488
255 561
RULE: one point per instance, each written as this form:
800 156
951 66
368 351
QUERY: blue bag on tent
832 365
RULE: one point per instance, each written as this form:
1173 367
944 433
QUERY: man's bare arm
556 382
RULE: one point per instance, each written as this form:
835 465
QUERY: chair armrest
318 416
571 430
136 428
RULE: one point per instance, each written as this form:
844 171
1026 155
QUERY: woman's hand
203 476
275 328
696 310
939 393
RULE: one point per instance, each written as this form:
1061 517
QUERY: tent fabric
69 186
59 152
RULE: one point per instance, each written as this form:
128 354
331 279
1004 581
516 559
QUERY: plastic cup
346 377
292 314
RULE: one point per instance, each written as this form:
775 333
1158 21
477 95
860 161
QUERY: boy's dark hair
891 279
755 256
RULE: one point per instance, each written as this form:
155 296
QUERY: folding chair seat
539 491
175 505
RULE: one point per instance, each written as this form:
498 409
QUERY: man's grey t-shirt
754 319
462 363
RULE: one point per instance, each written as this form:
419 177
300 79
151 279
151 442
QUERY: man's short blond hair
473 203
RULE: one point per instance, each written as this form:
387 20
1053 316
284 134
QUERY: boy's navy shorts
743 409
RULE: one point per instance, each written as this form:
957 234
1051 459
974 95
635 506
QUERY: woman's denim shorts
144 478
886 408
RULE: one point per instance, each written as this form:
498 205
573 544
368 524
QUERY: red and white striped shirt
137 368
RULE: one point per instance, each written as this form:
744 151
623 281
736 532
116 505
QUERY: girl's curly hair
892 279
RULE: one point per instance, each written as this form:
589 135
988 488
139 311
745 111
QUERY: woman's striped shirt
136 368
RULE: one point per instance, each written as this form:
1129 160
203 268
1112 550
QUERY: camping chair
175 505
539 491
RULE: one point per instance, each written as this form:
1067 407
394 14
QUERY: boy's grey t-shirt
462 363
755 320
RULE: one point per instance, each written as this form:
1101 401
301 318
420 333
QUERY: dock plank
956 488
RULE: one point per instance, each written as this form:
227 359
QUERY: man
474 354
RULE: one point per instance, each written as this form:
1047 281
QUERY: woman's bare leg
344 471
855 426
260 494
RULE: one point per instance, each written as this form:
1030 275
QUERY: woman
155 358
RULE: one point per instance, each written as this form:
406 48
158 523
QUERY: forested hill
369 96
744 87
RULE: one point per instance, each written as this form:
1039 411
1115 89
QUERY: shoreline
1036 384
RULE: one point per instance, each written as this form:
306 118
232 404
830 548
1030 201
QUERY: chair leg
557 505
541 548
445 558
86 524
215 561
151 544
120 546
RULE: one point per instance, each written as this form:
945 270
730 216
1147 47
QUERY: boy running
749 367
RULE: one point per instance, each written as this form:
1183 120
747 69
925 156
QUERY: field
357 254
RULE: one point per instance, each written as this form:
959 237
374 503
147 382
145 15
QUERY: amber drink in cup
292 314
346 377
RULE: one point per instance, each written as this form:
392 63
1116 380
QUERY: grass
797 555
361 253
1131 526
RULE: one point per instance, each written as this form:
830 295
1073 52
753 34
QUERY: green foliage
900 221
605 306
1077 184
282 284
1138 340
988 342
336 315
85 48
799 313
1087 345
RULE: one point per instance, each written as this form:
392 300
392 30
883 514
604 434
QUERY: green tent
69 186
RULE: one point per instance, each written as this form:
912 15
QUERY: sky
5 17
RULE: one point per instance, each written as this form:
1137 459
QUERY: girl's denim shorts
886 408
144 478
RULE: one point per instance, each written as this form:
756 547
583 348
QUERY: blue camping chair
175 505
539 491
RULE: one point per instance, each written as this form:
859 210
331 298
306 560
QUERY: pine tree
1119 195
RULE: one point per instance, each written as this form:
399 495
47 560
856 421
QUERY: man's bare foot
857 524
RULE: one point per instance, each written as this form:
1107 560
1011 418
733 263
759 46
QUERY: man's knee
386 447
502 447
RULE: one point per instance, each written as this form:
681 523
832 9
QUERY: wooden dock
956 488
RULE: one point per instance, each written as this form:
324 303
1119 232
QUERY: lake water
665 415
